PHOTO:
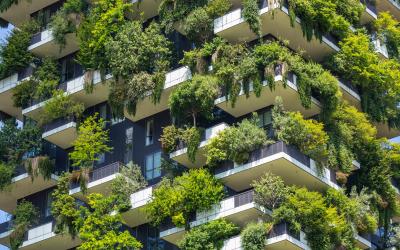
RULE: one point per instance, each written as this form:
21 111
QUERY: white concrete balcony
76 89
283 160
380 48
239 209
146 107
350 94
19 13
274 20
22 186
279 238
181 155
137 215
289 94
369 14
6 92
100 180
61 132
44 45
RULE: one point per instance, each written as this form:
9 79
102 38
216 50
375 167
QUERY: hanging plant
42 165
251 15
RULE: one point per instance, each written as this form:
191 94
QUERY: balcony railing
268 151
100 173
57 123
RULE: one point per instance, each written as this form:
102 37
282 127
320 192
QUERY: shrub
269 191
236 143
194 98
170 138
6 175
23 94
196 190
25 215
251 15
388 32
208 236
198 26
253 236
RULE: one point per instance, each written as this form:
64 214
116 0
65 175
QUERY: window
153 166
70 69
49 200
265 119
149 132
128 144
103 112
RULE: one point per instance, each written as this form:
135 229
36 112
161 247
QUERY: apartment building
135 137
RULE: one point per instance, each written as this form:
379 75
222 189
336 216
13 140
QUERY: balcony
369 15
289 93
274 20
136 215
239 209
147 108
385 131
279 238
61 132
44 45
181 155
392 6
363 241
280 159
76 88
19 13
6 92
40 237
100 180
380 48
22 186
350 94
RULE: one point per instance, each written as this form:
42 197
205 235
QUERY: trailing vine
251 15
42 165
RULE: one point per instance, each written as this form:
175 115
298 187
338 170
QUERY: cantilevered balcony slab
22 186
146 107
136 215
275 20
43 44
282 160
239 209
363 242
385 131
5 233
6 92
289 94
61 132
44 237
76 89
350 94
380 48
279 238
181 155
369 14
19 13
100 180
391 6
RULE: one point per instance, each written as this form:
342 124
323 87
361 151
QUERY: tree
91 142
269 191
196 190
126 183
100 226
194 98
208 236
254 234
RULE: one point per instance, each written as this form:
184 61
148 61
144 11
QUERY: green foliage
60 105
356 209
325 17
308 135
236 143
196 190
194 98
251 15
102 22
6 175
141 72
198 26
91 142
377 79
40 165
324 227
208 236
4 5
23 94
191 137
269 191
388 32
25 215
170 138
254 234
16 142
126 183
14 53
67 19
100 227
63 207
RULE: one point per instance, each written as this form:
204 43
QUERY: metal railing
100 173
57 123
